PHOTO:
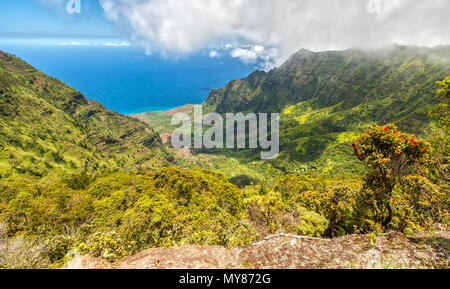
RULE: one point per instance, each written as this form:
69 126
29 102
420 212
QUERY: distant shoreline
149 109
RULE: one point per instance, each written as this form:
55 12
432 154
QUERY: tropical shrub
332 198
388 153
269 214
418 204
438 167
443 111
106 245
79 181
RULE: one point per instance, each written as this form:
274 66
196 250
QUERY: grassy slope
48 127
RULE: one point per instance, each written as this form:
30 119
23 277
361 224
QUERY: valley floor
392 251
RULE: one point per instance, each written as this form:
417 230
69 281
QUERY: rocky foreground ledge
392 251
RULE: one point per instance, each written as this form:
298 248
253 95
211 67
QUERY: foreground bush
120 214
269 214
332 198
418 204
117 214
388 153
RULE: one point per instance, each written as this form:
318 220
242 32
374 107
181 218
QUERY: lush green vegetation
75 177
113 215
116 214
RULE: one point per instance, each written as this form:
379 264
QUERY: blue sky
46 19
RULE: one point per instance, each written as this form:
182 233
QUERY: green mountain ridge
327 78
327 98
48 127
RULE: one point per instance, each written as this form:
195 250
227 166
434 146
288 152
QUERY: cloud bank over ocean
273 30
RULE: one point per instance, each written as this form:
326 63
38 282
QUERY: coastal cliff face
48 127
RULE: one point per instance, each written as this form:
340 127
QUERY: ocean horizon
126 80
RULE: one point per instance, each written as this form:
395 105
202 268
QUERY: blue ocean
126 80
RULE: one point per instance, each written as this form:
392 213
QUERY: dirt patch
165 137
293 252
188 108
138 117
173 111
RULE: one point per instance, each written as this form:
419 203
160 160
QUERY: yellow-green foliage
270 214
418 204
332 198
443 111
118 214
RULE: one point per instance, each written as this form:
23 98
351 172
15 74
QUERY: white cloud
185 26
214 54
246 55
76 43
258 48
229 46
254 54
121 44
